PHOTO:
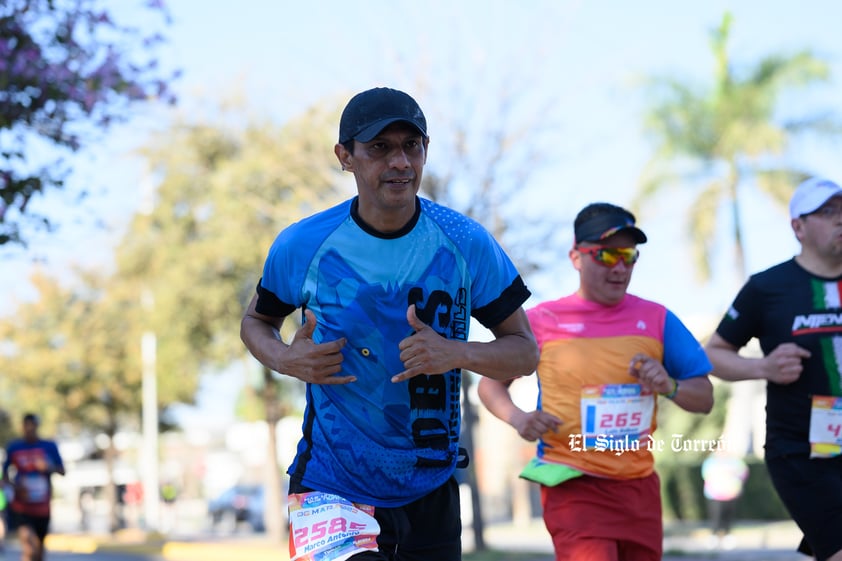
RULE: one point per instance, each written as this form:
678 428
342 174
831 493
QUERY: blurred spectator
724 476
4 502
169 492
86 507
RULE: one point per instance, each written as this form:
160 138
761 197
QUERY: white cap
812 194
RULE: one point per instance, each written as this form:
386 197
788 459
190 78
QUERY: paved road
13 553
751 542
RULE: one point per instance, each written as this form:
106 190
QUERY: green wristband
674 391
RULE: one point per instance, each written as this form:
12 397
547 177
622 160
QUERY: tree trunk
115 512
469 418
744 429
275 499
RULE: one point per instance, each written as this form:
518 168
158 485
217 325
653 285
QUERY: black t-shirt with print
785 303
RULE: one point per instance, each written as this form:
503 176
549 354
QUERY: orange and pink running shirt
583 376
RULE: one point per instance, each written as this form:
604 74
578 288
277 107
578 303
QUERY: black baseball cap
369 112
598 221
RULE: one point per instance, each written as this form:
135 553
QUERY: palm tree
718 141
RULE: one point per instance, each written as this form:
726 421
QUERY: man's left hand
425 351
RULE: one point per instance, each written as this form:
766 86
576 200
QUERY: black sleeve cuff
493 313
270 305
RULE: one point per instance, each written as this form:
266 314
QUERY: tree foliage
223 194
74 357
67 67
71 354
486 168
186 269
718 139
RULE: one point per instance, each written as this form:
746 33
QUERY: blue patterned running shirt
374 441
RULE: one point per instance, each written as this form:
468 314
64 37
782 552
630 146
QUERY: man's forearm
503 358
262 340
495 396
694 394
729 365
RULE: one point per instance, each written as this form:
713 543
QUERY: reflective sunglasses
610 256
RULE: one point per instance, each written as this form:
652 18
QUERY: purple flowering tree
67 70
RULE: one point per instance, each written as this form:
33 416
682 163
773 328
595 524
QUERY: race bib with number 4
325 527
826 427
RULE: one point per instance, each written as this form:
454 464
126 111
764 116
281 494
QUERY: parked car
239 504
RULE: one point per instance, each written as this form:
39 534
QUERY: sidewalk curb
70 543
171 550
186 551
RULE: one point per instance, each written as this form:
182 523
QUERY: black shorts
39 524
811 491
429 528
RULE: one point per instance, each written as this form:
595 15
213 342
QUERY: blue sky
281 56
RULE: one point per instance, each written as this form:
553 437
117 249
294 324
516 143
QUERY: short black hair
31 418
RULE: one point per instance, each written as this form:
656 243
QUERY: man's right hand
315 363
784 364
530 426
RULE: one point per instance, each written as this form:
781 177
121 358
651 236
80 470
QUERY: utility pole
149 475
149 392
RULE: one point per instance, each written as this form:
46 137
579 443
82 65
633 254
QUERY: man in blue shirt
388 283
29 465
